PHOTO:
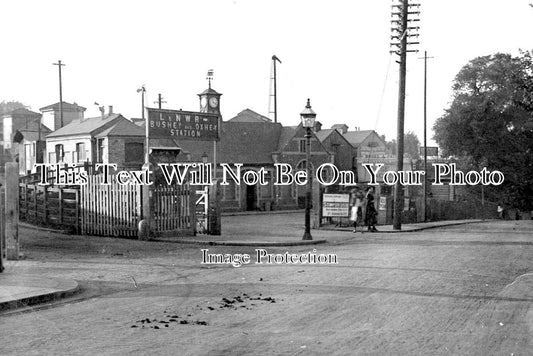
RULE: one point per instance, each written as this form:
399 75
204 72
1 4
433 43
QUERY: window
100 150
60 154
302 146
134 152
80 152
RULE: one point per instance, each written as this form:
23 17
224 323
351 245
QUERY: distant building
31 144
343 152
110 138
256 142
367 143
52 114
13 121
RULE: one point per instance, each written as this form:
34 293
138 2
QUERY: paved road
465 290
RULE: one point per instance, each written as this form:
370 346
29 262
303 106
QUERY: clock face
203 101
213 102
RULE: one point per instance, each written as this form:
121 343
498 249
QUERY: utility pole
59 64
142 90
425 133
273 82
159 100
401 34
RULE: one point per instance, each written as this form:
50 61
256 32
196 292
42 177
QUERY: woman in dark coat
371 213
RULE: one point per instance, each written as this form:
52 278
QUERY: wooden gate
173 210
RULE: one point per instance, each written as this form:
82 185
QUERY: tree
6 107
489 122
411 145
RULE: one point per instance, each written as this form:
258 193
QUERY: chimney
102 109
318 126
110 109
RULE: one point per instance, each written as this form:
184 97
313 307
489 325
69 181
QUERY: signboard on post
336 205
183 125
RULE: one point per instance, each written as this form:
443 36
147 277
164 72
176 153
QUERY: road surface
464 290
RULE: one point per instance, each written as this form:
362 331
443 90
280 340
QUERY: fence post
214 217
3 255
12 210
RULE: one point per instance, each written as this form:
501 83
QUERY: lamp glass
308 120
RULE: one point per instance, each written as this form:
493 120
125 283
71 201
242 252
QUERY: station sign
185 125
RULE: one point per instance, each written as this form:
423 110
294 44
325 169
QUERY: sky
335 52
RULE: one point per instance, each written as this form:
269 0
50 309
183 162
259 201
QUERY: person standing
356 211
370 212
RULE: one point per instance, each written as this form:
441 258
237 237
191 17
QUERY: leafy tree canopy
490 122
8 106
411 145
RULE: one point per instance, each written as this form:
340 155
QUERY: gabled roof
66 107
31 131
90 126
123 128
323 134
248 115
287 133
357 137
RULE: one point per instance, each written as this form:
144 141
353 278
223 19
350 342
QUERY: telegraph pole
401 35
159 100
425 133
273 82
59 64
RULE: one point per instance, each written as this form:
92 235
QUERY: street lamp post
308 117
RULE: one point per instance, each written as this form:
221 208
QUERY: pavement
273 237
21 290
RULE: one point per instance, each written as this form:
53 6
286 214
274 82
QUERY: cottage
109 138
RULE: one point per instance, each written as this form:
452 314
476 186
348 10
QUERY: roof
209 91
31 131
89 126
323 134
357 137
248 115
287 133
66 106
122 128
240 142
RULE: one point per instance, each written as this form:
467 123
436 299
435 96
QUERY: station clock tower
209 98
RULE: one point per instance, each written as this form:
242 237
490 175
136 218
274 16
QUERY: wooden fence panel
109 210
